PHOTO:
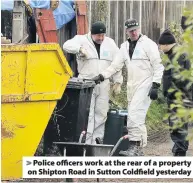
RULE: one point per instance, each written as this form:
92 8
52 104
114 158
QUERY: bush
183 103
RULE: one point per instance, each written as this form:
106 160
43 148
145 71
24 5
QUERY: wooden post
124 10
140 13
109 19
90 14
131 9
117 23
184 3
164 15
19 25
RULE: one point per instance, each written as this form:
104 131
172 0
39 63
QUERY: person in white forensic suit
95 52
143 62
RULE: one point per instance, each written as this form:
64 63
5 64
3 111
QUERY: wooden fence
153 16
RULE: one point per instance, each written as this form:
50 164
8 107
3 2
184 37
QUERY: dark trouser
178 136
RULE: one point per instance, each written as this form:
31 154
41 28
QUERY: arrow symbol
28 162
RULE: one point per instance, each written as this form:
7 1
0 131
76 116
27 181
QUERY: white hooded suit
90 67
143 68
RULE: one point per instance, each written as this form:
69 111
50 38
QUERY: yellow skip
33 78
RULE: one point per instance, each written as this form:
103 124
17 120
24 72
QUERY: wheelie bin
115 128
71 113
33 79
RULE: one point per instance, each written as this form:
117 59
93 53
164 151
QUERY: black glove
98 79
153 93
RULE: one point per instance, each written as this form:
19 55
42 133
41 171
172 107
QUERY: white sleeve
118 77
72 45
116 65
155 59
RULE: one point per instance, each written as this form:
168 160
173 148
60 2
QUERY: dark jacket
169 80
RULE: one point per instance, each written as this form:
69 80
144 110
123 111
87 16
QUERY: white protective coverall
90 67
143 69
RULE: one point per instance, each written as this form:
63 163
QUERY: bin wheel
71 180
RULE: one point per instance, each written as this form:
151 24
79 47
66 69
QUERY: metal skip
33 78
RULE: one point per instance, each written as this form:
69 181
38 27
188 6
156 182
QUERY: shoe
125 130
99 140
134 149
179 154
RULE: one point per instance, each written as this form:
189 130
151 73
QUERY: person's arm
116 65
157 67
184 62
72 45
117 78
167 81
155 60
182 84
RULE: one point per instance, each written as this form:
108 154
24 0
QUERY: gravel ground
159 144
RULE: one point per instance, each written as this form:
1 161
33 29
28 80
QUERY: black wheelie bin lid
80 83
